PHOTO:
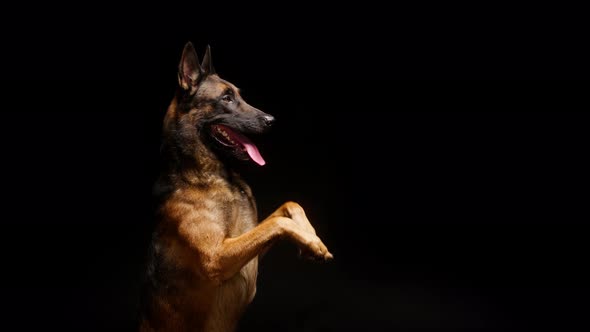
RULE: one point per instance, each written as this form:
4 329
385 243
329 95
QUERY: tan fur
208 240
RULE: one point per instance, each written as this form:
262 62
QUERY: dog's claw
317 257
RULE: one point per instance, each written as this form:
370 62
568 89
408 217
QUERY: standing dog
205 248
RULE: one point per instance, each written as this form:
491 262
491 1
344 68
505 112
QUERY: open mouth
237 142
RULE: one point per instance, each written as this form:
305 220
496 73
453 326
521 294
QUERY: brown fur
205 249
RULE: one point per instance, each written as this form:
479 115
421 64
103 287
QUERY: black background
447 203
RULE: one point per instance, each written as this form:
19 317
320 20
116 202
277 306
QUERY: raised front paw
297 227
315 249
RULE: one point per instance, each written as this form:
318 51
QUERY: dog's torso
179 292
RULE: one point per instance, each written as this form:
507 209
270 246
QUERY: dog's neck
194 163
198 167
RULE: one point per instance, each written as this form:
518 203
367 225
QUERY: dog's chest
243 220
243 216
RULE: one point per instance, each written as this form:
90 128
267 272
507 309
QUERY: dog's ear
189 70
207 63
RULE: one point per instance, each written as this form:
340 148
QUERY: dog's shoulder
199 201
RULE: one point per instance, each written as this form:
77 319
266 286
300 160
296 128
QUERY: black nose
268 120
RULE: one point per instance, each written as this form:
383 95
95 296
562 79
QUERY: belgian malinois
205 247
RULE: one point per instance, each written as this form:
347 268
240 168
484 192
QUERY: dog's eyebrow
229 90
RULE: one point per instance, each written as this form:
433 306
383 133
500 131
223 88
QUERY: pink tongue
250 147
254 154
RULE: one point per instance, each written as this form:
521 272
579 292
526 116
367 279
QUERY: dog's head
211 110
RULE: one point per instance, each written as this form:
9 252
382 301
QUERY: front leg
222 257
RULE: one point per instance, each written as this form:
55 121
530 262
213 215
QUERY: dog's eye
227 98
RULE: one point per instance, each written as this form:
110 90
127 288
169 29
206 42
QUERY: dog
207 240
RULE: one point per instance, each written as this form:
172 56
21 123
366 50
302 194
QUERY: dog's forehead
226 84
215 86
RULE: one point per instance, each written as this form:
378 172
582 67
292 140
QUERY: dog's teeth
224 134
